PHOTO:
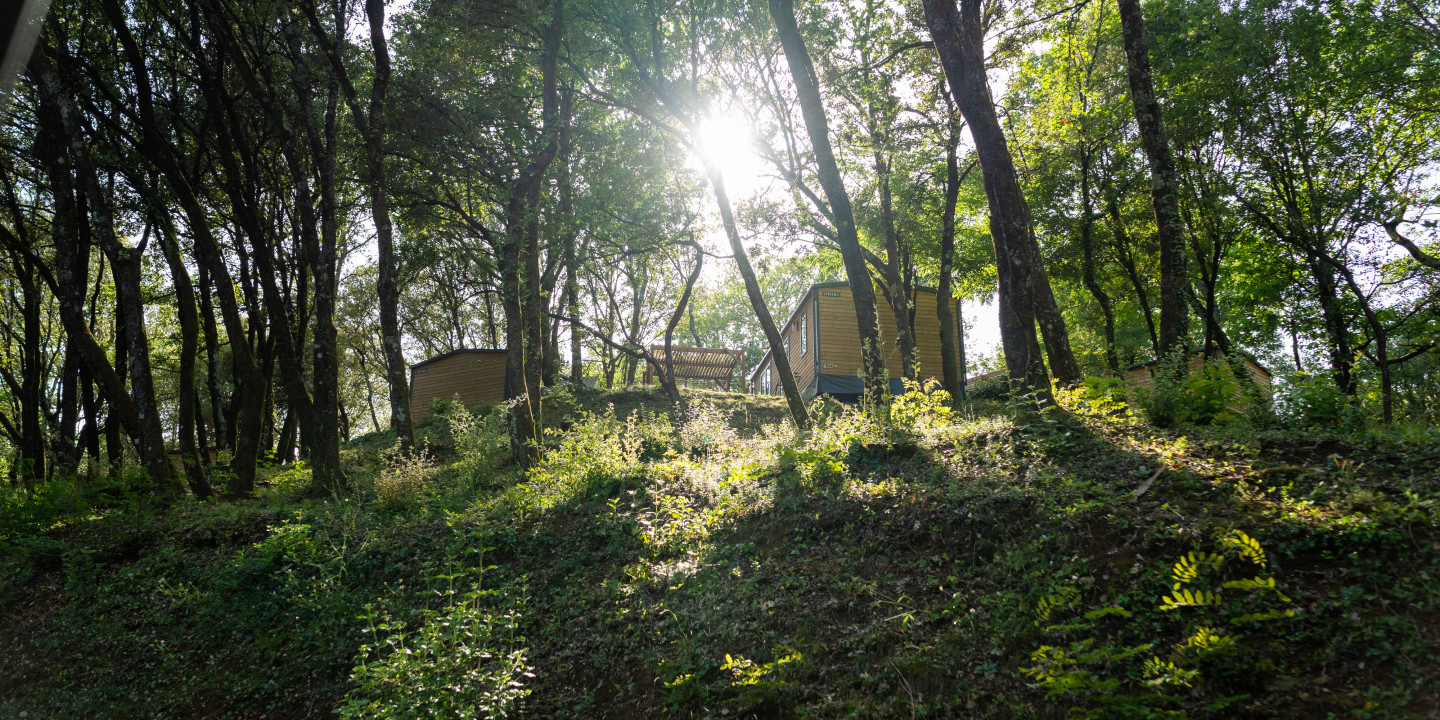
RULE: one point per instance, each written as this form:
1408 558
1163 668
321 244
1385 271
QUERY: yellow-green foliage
403 478
918 410
1086 669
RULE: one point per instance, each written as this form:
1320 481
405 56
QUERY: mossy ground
863 571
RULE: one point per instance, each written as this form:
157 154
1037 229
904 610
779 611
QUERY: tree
1164 183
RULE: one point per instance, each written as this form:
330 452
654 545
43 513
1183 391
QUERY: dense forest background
234 225
228 229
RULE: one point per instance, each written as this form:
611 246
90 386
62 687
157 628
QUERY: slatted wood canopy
713 365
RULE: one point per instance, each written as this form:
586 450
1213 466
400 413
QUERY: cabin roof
461 351
1242 353
801 303
692 363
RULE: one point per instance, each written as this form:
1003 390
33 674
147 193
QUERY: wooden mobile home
822 340
1141 376
477 376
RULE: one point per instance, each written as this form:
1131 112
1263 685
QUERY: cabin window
804 339
787 346
770 384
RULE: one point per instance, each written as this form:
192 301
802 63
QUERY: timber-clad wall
830 323
840 335
1143 376
477 376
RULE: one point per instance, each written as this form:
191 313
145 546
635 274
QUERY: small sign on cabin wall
830 293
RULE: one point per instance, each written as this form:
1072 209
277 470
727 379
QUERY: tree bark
1164 182
807 88
520 259
249 383
944 296
1126 256
187 314
32 437
897 289
959 40
218 411
140 415
1087 245
372 128
387 285
324 446
798 413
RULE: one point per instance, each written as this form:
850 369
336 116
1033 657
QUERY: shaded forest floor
981 565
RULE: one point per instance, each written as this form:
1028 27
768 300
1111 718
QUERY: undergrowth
974 561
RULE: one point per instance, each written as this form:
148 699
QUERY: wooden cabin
822 340
475 375
1142 375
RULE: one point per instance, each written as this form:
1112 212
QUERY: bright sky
728 139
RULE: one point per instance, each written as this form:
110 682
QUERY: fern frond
1246 547
1189 598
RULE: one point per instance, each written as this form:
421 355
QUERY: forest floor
986 564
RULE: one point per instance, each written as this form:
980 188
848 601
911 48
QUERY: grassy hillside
979 564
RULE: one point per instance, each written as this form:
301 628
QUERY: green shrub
1211 394
404 477
705 430
25 510
482 444
996 388
1311 401
1102 397
463 660
918 410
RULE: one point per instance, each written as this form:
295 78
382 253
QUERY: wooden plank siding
840 335
1142 376
802 352
477 376
834 338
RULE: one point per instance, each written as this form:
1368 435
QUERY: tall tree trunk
1087 246
520 258
570 232
798 413
387 283
897 288
958 38
90 432
1338 345
807 88
32 437
372 128
114 422
158 150
187 314
144 424
1126 257
67 452
218 412
668 372
637 307
1164 182
324 437
944 296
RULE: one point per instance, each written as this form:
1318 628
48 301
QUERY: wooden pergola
712 365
